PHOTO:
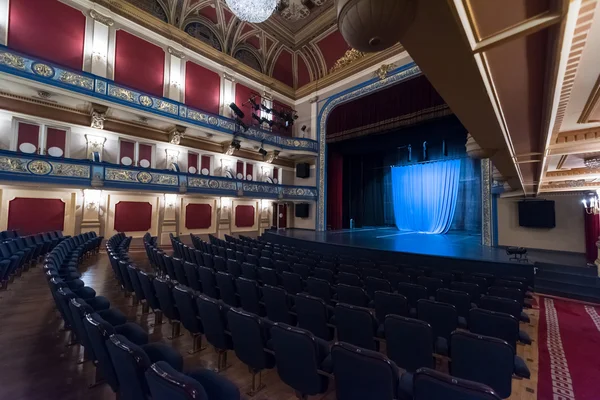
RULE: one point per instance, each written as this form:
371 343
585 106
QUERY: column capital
176 53
103 19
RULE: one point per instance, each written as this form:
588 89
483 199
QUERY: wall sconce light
225 203
264 204
591 203
92 198
170 200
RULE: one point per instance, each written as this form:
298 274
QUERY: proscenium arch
398 75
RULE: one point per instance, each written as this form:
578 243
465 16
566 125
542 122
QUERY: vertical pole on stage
486 202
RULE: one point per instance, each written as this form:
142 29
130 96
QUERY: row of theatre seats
120 350
267 326
19 253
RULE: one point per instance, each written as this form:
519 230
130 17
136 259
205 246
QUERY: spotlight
255 105
236 110
262 152
241 124
257 118
272 156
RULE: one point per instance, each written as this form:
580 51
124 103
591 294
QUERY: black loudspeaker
302 210
302 170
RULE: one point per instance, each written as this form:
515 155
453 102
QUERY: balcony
21 65
21 167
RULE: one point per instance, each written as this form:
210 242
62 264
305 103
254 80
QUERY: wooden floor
35 362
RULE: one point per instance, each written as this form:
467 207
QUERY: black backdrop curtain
366 188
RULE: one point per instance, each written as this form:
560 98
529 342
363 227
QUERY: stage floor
454 245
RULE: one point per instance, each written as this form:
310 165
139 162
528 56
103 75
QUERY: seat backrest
356 325
169 266
460 300
319 288
125 275
208 282
186 305
79 309
179 271
363 374
164 382
191 273
146 279
432 284
442 317
248 335
249 293
132 270
130 363
409 342
371 271
292 282
96 329
249 271
389 303
412 292
165 298
351 279
350 269
396 277
312 315
429 384
266 263
268 276
301 269
352 295
233 267
277 304
495 324
226 285
502 304
213 317
483 359
507 292
473 289
373 284
325 274
298 350
220 264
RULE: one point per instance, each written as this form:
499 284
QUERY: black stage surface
451 251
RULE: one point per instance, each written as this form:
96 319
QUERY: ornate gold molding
348 58
572 172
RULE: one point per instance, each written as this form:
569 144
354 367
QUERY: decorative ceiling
297 45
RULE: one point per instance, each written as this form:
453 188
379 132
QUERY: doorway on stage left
280 215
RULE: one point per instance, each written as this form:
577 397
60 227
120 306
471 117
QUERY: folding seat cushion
432 285
373 284
505 305
409 342
131 362
226 285
347 278
277 305
429 384
389 303
314 315
249 335
413 294
299 350
185 300
357 326
352 295
483 359
363 374
163 290
165 382
292 282
191 273
460 300
268 276
443 318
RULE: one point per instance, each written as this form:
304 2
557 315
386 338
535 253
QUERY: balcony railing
84 173
25 66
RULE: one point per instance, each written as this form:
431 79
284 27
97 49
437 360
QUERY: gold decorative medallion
77 80
43 70
145 101
12 60
144 177
39 167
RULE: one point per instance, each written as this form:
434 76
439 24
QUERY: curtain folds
425 196
592 231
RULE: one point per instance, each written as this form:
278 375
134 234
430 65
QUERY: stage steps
579 283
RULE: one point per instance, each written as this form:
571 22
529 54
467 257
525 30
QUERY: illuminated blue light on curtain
425 196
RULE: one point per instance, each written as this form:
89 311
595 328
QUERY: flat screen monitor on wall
537 214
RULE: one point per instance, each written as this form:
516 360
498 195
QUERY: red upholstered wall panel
244 216
28 138
242 94
139 64
249 171
192 163
127 152
333 48
56 142
133 216
202 88
47 29
239 170
198 216
275 175
30 215
283 68
205 165
303 75
145 155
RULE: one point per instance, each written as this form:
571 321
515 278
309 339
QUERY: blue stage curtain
425 196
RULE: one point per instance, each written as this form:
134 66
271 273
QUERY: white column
227 94
176 72
313 117
100 43
4 7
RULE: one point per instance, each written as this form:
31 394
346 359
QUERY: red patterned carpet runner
569 351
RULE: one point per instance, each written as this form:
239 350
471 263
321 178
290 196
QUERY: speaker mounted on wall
302 170
301 210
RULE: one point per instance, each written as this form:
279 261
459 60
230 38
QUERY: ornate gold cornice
349 57
572 172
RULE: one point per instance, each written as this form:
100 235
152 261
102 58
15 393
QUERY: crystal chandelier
592 163
254 11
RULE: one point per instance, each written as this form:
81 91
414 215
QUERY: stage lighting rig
262 152
236 110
